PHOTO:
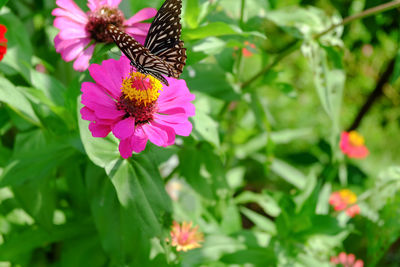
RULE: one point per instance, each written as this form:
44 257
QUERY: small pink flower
79 31
185 237
345 200
352 145
347 260
135 107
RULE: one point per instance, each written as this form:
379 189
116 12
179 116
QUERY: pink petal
144 14
124 128
72 51
359 263
125 148
139 140
342 258
158 134
351 258
138 29
82 62
94 94
88 114
358 152
62 23
73 33
105 112
113 3
99 130
180 124
110 74
70 9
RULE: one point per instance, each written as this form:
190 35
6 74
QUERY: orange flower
345 200
347 260
245 51
3 41
352 145
184 238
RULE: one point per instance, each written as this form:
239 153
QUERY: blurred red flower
347 260
184 237
345 200
3 41
352 145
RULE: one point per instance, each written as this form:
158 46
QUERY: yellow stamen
143 89
356 139
348 196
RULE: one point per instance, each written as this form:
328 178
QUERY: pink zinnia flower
79 31
345 200
184 237
352 145
3 41
135 107
347 260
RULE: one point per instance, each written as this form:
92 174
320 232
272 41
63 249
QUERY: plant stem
242 6
375 94
371 11
286 51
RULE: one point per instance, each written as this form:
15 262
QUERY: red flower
345 200
3 41
347 260
352 145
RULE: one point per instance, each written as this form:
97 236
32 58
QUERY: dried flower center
100 18
356 139
348 196
139 97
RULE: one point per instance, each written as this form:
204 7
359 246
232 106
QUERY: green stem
242 6
365 13
287 51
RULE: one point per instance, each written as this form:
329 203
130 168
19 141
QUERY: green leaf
262 222
231 221
106 212
251 256
12 96
192 12
3 3
140 190
36 237
212 29
38 199
266 202
36 164
288 173
205 128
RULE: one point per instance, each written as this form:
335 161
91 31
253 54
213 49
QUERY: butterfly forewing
165 30
163 52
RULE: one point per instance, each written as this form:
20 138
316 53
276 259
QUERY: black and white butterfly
163 52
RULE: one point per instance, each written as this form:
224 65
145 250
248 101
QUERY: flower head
345 200
352 145
247 50
184 237
135 107
347 260
79 31
3 41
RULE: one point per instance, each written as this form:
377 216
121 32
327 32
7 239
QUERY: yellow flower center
141 89
356 139
348 196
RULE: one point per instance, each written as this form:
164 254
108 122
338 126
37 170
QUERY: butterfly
163 52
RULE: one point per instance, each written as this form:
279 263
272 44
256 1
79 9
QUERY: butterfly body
163 52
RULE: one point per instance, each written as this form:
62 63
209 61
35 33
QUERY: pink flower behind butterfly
80 31
135 107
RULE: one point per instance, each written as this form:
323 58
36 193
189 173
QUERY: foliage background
258 169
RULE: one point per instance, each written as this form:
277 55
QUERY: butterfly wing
163 38
140 57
